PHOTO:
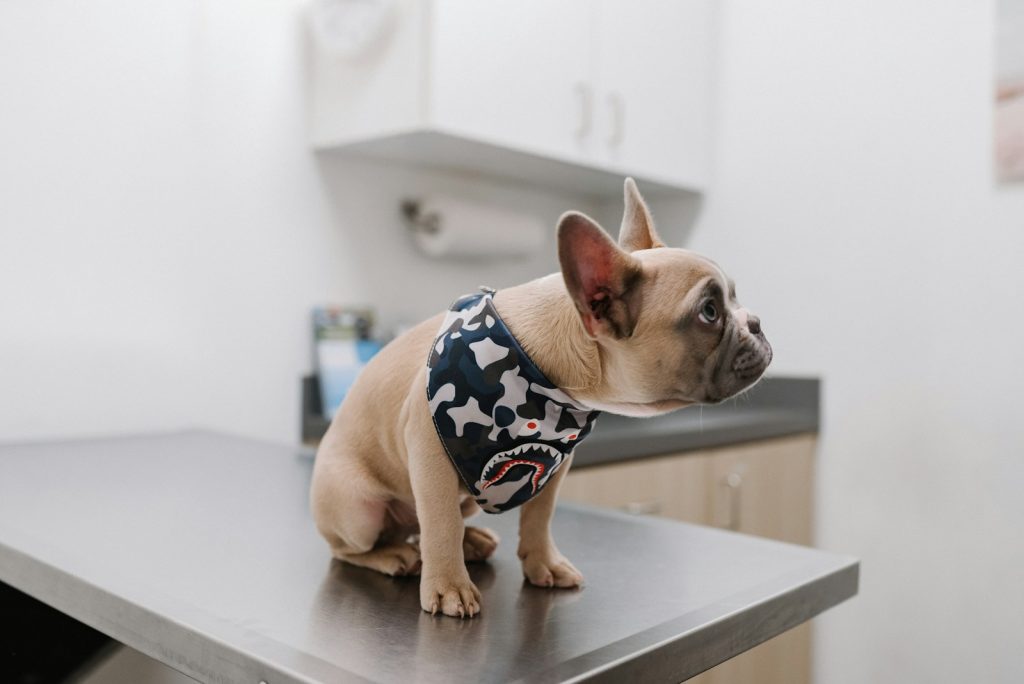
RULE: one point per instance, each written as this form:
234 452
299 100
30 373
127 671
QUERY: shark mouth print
502 465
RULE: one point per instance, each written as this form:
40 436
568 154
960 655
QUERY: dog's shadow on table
362 611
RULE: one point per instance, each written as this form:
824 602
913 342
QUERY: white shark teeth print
533 446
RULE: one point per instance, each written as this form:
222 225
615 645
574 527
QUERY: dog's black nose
754 324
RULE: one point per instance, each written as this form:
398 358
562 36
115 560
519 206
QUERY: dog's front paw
455 595
549 568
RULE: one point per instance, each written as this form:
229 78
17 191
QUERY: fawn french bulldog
512 381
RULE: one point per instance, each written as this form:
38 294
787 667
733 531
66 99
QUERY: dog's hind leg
395 559
479 543
359 523
383 549
368 538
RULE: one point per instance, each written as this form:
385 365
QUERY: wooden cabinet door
516 73
765 489
673 487
654 70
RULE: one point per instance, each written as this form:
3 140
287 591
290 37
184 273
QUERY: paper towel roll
448 227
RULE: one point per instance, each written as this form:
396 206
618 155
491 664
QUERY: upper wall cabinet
569 93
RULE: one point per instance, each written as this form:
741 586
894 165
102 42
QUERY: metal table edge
837 580
73 596
673 642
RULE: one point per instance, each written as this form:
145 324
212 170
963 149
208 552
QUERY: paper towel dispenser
449 227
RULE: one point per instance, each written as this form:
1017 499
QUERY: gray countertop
198 550
775 407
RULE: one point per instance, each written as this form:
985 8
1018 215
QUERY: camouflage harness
506 428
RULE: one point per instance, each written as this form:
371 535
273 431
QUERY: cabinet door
653 69
673 487
766 489
762 488
514 73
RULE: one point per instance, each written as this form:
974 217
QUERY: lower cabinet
762 488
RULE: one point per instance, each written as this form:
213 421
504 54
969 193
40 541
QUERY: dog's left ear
601 278
637 231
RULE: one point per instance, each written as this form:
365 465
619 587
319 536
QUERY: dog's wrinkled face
671 330
706 347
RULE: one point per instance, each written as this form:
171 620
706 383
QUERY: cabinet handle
733 484
585 95
618 113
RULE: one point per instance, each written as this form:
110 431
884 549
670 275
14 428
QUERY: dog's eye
709 312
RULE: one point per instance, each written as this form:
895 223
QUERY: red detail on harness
538 472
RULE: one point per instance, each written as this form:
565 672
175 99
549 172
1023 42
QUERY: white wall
853 204
165 229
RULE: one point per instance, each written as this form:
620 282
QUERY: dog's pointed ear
601 278
637 231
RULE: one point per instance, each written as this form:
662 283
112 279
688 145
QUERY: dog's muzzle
748 364
752 361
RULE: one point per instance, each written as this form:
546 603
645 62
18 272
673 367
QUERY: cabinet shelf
446 151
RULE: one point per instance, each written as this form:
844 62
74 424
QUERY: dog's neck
542 316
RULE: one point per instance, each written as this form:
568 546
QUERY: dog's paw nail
454 598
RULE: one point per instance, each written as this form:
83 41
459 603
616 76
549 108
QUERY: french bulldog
512 381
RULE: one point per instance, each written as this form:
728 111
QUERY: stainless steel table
198 550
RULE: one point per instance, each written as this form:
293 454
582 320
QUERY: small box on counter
343 342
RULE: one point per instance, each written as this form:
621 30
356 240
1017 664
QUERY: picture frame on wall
1008 124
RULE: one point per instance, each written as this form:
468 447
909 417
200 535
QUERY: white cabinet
653 76
574 93
513 73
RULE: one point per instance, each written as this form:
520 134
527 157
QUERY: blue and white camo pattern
506 428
